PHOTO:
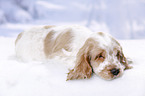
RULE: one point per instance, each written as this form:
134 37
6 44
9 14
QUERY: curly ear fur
121 56
82 69
123 60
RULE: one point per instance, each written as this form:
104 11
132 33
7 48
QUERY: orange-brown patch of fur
101 33
62 41
48 43
49 26
18 37
83 68
120 55
122 59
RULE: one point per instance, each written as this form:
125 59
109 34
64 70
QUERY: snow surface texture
124 19
49 78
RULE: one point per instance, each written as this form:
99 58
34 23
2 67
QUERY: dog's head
102 55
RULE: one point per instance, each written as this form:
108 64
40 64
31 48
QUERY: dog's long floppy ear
82 69
121 56
123 60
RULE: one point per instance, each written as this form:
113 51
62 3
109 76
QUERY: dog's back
40 43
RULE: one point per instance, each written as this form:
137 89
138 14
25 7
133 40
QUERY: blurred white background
124 19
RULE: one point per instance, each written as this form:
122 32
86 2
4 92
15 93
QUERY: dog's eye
99 57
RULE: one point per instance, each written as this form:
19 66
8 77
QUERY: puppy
94 52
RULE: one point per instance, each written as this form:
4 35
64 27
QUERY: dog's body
95 52
41 43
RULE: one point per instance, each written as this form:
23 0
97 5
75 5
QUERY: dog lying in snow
94 52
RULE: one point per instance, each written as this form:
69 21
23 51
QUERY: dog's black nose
115 71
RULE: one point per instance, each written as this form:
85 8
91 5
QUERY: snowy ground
49 78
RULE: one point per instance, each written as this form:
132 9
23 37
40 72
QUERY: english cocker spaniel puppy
97 53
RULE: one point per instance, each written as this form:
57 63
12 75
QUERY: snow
49 78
